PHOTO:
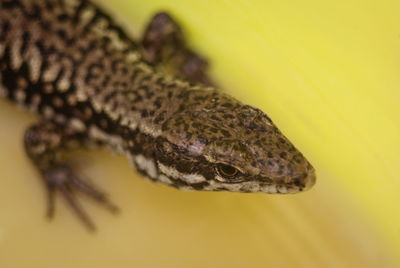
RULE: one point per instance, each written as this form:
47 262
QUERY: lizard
150 99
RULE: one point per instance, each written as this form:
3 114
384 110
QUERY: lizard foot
63 179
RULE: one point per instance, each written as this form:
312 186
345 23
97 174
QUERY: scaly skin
69 62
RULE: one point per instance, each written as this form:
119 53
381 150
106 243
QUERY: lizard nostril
310 180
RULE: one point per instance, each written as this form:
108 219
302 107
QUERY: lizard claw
63 179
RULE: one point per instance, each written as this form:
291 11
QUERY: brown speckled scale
69 62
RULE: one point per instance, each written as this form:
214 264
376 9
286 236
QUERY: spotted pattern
69 62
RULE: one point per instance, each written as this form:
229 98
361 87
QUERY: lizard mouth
282 188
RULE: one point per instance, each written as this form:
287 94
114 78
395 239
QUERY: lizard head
214 142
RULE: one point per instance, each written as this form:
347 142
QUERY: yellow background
327 73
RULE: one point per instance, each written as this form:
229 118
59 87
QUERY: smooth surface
326 72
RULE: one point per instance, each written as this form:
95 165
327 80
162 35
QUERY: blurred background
326 72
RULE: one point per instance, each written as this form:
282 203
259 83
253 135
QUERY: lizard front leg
164 47
44 143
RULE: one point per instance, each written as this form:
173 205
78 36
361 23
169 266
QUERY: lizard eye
226 171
